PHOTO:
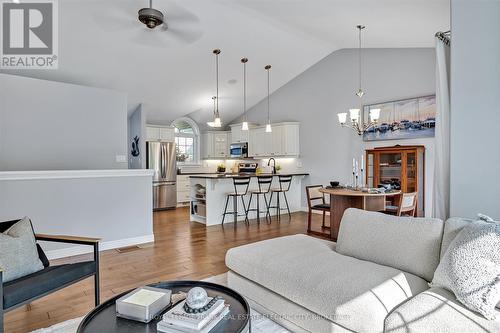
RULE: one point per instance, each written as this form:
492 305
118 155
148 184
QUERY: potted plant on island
221 168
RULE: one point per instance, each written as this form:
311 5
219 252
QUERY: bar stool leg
287 206
235 209
269 205
278 207
250 204
245 210
225 209
258 208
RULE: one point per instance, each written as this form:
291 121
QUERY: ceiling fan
166 23
151 17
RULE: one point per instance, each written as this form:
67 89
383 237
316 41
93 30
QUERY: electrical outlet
299 164
121 158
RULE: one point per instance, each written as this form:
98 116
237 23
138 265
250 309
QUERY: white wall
316 96
46 125
475 108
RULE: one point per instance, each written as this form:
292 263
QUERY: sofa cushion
46 280
406 243
353 293
437 310
18 251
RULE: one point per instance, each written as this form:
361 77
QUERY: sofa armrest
67 239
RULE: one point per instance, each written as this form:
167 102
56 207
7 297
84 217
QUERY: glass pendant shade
342 118
244 126
354 114
217 122
269 129
375 114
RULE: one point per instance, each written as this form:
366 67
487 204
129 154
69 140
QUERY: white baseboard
109 245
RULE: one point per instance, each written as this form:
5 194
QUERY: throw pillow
470 267
18 253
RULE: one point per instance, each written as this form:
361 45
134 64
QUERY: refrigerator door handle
162 162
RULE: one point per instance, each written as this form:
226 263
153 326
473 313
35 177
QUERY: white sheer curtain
441 190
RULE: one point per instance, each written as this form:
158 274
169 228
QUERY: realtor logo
29 34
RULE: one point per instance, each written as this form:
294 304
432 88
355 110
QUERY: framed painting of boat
403 119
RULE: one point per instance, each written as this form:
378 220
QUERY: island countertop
233 175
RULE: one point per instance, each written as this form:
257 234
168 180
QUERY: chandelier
355 123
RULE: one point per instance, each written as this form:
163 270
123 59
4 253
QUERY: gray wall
116 209
475 112
137 127
316 96
47 125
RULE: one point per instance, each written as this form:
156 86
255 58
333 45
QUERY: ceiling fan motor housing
150 17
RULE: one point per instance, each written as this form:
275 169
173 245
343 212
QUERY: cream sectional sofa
374 279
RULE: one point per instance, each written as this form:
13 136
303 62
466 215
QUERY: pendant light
244 126
217 122
268 125
211 123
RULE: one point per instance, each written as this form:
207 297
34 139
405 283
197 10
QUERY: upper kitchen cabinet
238 135
158 133
215 145
282 141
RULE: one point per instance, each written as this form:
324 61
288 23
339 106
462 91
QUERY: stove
247 168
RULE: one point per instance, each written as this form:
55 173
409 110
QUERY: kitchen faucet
274 164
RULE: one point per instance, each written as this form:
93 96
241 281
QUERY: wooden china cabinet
400 166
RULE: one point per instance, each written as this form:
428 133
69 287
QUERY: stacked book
177 320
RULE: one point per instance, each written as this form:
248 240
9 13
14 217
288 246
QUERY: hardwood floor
182 250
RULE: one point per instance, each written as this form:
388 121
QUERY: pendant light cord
217 81
268 67
245 90
359 56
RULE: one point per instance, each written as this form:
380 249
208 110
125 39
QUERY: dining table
344 198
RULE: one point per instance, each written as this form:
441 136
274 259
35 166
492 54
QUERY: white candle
362 162
353 165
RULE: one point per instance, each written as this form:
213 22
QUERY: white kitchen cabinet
152 133
215 145
283 141
167 134
238 135
183 190
158 133
291 140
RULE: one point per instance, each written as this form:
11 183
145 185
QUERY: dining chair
316 201
407 205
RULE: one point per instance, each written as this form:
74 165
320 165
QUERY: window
186 141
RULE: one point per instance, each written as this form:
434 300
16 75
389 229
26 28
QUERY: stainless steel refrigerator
161 158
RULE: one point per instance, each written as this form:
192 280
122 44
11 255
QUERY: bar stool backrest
285 182
264 183
241 185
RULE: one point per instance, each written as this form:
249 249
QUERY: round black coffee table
103 318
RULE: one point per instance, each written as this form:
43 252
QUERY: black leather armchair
28 288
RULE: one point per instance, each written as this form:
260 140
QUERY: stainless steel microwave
239 150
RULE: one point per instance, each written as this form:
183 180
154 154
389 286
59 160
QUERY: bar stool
240 190
284 182
264 183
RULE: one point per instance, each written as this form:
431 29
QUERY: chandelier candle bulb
342 118
354 114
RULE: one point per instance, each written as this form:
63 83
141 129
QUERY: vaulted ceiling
171 71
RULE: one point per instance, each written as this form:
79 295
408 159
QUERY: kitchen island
208 207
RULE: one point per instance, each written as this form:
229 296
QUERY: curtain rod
444 36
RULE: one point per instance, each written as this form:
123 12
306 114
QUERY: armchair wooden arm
67 239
